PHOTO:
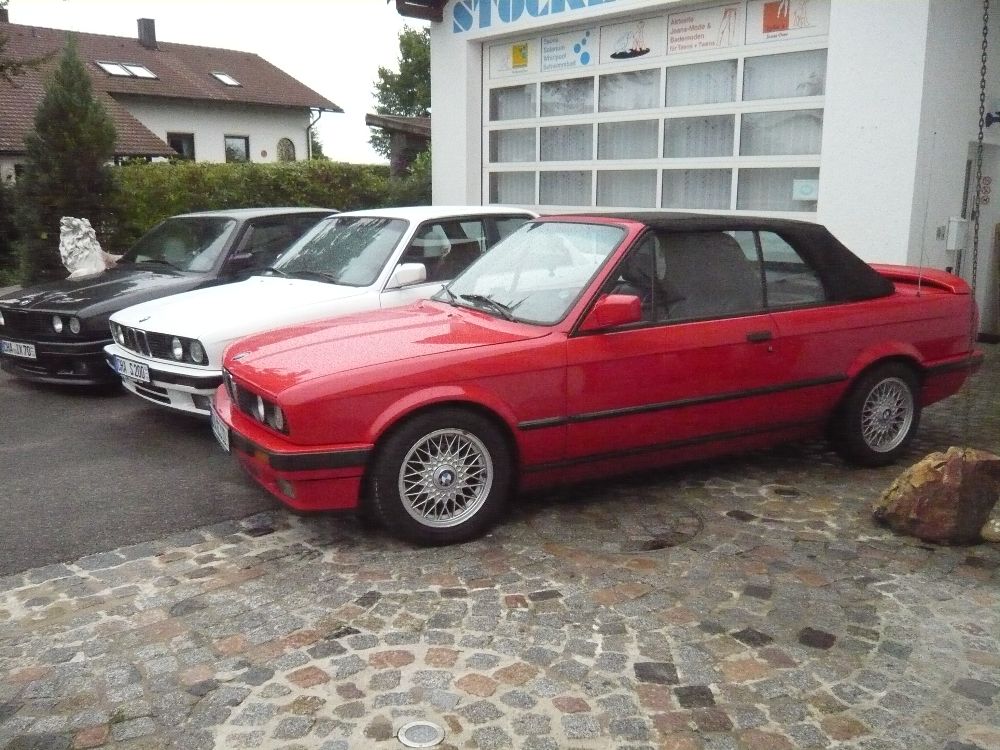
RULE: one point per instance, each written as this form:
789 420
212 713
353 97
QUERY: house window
183 144
126 70
226 78
237 148
286 150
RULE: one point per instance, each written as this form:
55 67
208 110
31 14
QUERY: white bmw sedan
169 351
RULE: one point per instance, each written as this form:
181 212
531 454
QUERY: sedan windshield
191 243
537 273
349 250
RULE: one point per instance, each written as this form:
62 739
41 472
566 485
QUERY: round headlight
57 324
2 322
197 352
261 411
119 333
177 349
74 325
276 418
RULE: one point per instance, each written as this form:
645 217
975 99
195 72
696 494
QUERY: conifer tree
67 170
408 92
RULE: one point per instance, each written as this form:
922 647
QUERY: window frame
246 143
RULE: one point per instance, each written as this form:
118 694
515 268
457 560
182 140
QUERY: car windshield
185 243
537 273
349 250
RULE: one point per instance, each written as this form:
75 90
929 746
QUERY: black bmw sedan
56 332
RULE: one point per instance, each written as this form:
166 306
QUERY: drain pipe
309 141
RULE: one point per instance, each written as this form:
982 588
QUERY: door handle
755 337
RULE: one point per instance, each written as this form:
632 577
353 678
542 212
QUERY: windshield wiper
451 295
498 307
277 271
157 262
324 275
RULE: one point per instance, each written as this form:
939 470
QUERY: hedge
151 192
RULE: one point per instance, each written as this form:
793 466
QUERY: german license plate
220 430
131 370
17 349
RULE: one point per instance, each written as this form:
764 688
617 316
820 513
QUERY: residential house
166 100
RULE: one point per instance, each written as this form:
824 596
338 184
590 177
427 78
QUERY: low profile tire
442 477
879 416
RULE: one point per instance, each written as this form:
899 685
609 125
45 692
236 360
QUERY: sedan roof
255 213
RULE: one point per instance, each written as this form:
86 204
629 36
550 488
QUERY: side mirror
613 310
407 274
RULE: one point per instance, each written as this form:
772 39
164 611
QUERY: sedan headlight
57 324
177 349
197 353
119 333
276 418
261 410
74 325
2 321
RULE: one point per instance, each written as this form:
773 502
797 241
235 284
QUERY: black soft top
845 276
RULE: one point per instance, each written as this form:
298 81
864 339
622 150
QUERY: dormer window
126 70
226 78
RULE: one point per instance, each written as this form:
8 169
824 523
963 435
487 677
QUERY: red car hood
287 356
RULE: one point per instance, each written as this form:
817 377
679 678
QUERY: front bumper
305 478
63 363
183 388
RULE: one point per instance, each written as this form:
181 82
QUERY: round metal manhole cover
420 734
622 521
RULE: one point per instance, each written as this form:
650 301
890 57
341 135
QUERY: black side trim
537 424
972 362
188 380
673 445
302 461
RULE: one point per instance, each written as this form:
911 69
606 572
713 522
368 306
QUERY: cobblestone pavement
747 604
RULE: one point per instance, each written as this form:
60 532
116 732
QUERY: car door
696 371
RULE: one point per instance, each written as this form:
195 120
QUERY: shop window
639 89
565 188
793 132
705 189
572 97
779 189
512 145
567 143
632 188
784 76
691 137
286 150
517 188
237 148
183 144
628 140
704 83
512 103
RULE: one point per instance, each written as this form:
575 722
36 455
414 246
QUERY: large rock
945 498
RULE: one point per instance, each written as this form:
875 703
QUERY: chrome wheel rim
887 415
445 478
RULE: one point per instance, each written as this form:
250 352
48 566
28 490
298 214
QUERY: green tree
315 145
408 92
67 170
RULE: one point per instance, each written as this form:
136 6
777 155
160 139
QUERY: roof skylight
226 78
126 70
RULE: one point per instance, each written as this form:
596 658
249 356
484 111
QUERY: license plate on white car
220 430
132 370
17 349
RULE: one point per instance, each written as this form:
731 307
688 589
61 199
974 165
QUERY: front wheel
442 477
879 416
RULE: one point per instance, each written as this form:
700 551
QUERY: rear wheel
442 477
879 416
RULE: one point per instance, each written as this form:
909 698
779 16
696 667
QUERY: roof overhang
428 10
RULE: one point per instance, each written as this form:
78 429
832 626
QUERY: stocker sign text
469 14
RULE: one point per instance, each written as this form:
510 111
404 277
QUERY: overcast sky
333 46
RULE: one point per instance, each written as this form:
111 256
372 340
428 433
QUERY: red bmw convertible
583 346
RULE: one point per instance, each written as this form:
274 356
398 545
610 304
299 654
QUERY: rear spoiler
926 277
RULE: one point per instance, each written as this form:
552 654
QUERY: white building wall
265 126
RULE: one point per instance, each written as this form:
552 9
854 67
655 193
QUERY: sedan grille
21 323
155 345
243 399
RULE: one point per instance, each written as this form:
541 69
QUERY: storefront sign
709 28
483 14
643 38
514 58
573 49
778 20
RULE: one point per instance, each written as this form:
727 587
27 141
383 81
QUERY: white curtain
565 188
570 97
512 187
773 189
628 140
783 76
512 103
688 137
790 133
639 89
632 188
704 83
697 188
512 145
567 143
